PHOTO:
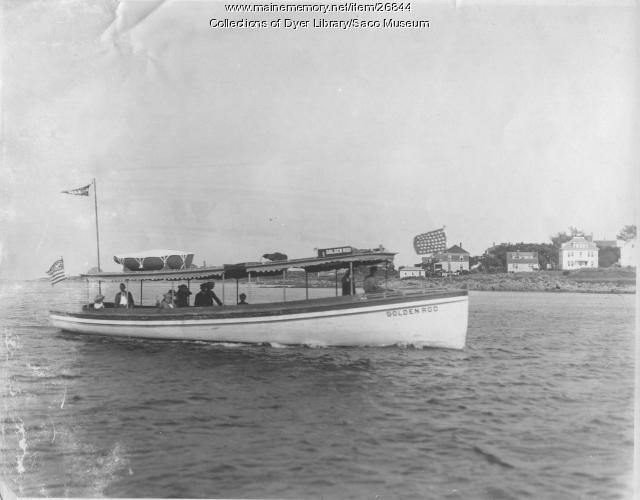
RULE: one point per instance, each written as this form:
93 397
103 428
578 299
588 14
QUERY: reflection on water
538 405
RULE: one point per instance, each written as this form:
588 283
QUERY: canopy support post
141 291
223 287
237 290
306 284
336 282
386 277
284 285
249 288
353 279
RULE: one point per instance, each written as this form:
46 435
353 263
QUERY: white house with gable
578 253
522 262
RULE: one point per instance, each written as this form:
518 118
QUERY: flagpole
95 201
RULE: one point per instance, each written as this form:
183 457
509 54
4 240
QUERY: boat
420 318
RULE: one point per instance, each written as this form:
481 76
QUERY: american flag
431 242
56 272
81 191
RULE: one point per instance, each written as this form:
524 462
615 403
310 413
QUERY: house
411 272
578 253
522 262
454 259
629 253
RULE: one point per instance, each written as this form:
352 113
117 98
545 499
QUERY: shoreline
600 281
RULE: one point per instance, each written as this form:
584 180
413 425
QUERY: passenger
203 298
370 283
123 297
348 285
98 302
182 296
243 300
167 301
210 286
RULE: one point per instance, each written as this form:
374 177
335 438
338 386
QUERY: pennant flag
56 272
431 242
81 191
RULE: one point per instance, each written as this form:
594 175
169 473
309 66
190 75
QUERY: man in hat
123 297
206 296
203 299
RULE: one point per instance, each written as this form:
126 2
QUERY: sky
501 121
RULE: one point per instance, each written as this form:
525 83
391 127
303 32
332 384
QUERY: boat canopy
248 269
155 260
149 253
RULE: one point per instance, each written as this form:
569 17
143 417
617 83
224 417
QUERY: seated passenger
203 299
348 285
182 296
124 297
243 300
98 302
370 283
167 301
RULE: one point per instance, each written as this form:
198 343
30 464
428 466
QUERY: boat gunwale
264 310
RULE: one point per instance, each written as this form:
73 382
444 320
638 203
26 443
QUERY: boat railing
402 293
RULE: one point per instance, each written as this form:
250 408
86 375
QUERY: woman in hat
167 301
97 302
182 296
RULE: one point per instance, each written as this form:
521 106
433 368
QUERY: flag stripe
56 272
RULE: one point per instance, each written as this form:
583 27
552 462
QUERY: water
539 405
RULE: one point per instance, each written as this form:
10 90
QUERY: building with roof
578 253
411 272
522 262
454 259
629 253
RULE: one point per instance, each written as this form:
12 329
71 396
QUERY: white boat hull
433 320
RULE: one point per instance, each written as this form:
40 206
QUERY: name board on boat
332 252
